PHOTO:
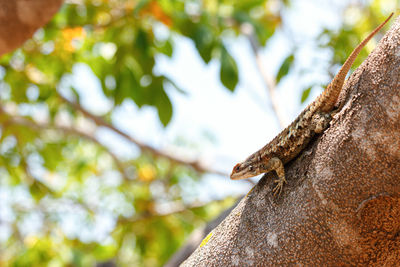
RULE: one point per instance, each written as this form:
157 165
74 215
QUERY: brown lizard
291 141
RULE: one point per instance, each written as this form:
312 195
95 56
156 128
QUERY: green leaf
142 40
19 83
247 5
167 48
38 190
285 67
305 94
100 66
263 30
104 252
204 40
161 100
142 52
127 87
52 155
229 71
164 108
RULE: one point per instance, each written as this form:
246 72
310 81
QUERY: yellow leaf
70 35
147 173
205 240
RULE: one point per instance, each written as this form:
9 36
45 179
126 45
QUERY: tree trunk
341 203
19 19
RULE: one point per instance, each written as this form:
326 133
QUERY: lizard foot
276 164
279 186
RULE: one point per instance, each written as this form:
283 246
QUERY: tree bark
341 203
19 19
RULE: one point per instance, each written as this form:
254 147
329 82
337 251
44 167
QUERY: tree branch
18 120
174 210
196 165
269 81
341 204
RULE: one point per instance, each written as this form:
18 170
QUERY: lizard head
246 169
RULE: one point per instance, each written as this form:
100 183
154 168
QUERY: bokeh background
121 120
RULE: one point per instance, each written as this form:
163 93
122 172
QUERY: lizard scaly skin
291 141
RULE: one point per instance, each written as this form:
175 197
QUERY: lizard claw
279 186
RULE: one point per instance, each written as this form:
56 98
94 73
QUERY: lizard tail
330 95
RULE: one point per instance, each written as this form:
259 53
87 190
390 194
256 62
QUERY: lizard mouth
240 176
234 176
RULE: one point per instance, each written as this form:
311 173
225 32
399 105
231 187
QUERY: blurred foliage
65 199
359 20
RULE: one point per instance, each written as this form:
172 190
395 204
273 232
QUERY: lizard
313 120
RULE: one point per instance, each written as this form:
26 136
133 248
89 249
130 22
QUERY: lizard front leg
275 164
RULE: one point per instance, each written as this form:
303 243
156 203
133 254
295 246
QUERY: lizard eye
237 168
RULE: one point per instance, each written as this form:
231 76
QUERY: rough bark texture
19 19
341 206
